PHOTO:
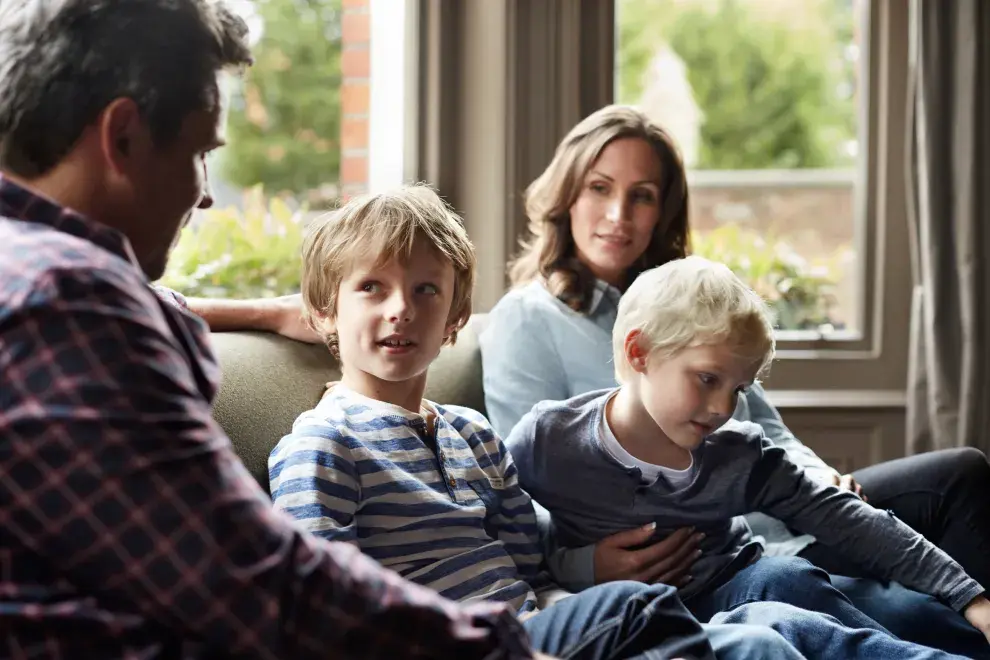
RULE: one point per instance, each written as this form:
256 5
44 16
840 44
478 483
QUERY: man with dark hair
128 528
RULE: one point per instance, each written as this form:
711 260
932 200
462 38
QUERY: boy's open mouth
396 343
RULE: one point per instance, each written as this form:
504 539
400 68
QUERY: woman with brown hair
612 203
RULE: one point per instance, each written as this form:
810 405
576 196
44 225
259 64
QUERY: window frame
501 82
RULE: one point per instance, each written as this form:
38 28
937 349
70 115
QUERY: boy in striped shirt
428 490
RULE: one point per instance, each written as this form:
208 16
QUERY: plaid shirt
128 527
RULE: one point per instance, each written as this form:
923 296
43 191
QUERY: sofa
269 380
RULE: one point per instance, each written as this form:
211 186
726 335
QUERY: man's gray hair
63 61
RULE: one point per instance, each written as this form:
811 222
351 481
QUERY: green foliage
228 253
773 94
284 123
800 295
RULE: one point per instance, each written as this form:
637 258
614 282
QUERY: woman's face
618 208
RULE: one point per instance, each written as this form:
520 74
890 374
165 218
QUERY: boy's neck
406 394
639 434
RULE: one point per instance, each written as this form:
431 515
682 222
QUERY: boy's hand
666 561
978 614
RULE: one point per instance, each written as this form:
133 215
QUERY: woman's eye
643 196
600 188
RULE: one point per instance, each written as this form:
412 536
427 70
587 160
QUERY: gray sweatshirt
558 451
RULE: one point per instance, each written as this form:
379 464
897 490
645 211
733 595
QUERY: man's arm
281 315
116 474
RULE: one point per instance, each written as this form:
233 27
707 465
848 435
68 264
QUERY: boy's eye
429 289
708 379
370 287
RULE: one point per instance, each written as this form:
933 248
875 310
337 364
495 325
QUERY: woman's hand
667 561
978 614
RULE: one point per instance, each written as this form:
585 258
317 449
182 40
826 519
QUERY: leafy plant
774 90
228 253
284 123
802 296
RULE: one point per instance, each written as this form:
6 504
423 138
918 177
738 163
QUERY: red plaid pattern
128 527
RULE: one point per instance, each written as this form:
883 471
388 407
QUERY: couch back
269 380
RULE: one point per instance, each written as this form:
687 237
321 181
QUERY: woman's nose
616 211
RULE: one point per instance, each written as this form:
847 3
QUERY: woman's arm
762 412
520 363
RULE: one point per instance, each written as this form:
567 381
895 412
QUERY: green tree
771 94
284 124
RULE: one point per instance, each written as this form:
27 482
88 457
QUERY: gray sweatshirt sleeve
874 539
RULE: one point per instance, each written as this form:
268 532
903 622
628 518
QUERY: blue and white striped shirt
444 511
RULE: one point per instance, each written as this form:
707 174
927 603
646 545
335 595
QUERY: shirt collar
342 392
20 203
603 291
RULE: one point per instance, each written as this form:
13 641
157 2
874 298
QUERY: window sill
835 399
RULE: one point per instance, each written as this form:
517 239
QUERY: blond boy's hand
622 557
978 614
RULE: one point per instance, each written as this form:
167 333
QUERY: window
297 140
764 98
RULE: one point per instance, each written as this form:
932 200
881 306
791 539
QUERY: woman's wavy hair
549 252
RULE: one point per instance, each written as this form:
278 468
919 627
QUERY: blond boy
662 450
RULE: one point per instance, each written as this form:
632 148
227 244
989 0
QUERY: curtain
948 170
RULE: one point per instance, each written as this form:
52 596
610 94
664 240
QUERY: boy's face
391 320
692 393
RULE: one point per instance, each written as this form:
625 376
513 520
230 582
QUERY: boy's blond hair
692 302
382 227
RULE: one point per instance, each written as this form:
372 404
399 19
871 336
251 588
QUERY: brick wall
354 96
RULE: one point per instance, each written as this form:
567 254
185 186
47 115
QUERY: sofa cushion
269 380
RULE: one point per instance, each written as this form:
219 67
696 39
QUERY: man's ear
636 350
122 133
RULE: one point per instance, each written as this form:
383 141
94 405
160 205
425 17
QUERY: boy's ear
637 353
451 328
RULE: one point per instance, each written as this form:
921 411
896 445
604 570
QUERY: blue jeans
914 617
632 620
831 625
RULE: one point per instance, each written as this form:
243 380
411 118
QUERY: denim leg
914 617
749 642
819 636
786 580
619 620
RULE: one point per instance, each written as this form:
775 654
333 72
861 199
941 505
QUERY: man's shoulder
42 265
